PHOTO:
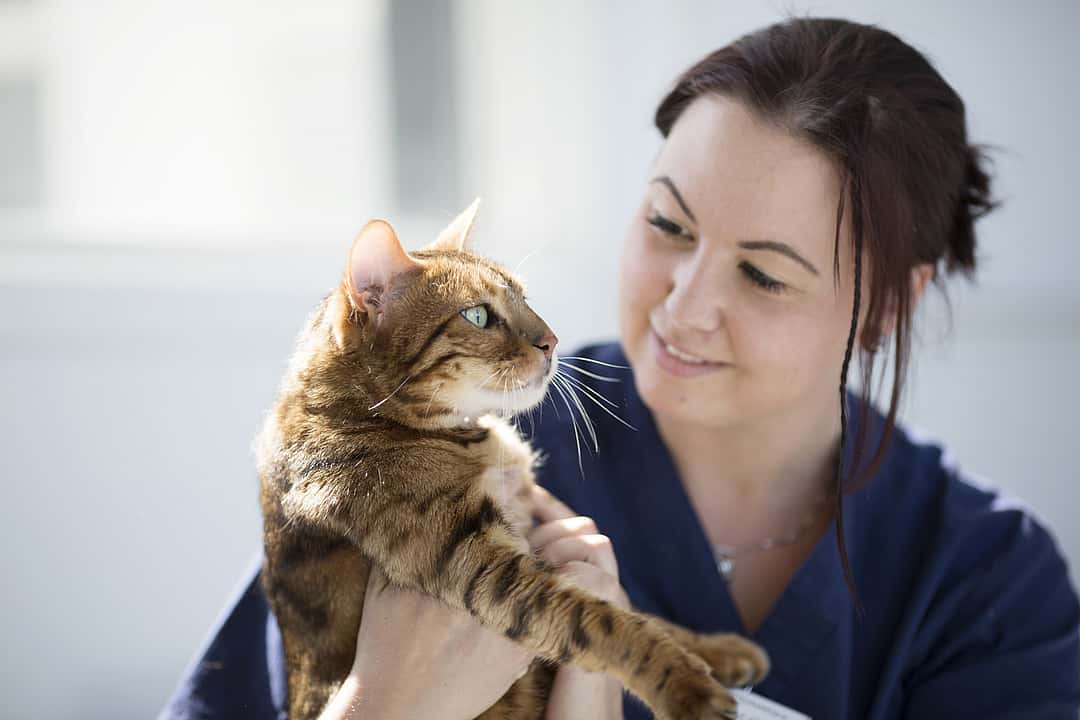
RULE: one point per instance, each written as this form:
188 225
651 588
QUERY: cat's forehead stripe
499 278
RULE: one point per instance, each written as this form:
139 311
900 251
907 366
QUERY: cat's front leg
735 661
516 594
465 552
482 570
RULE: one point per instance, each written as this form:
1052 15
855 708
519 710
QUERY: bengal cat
389 444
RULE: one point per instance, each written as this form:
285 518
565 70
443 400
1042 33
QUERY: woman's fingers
547 507
557 520
541 535
572 544
598 582
593 549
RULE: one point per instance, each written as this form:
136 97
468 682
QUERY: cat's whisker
589 395
594 396
427 411
555 405
589 421
581 409
522 261
488 378
529 417
505 396
573 423
595 362
587 389
601 378
391 394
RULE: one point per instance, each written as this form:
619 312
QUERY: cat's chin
507 404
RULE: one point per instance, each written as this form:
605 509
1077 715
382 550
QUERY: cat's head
440 336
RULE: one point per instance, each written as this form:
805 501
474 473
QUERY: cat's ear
455 236
376 258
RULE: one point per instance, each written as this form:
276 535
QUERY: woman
815 178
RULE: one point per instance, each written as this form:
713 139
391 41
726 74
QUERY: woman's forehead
741 176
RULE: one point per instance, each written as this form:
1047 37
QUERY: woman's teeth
685 357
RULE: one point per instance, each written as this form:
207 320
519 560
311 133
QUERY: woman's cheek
767 340
796 348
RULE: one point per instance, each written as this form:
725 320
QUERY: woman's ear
920 277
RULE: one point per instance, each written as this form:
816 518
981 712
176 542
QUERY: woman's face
729 310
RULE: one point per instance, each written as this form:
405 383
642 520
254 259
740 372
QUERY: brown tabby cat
381 449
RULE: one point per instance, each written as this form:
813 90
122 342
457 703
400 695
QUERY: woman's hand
573 545
417 657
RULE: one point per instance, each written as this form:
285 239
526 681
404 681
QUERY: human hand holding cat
418 658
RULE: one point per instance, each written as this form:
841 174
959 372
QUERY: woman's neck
749 481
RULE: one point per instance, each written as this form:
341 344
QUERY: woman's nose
694 300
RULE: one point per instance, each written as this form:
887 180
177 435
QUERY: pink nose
546 344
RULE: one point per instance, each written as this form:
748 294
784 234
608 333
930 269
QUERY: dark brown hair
897 133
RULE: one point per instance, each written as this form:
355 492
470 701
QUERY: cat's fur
381 450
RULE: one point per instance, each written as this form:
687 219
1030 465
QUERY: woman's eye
762 280
666 226
477 315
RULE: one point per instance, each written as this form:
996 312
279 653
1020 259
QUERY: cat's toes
697 697
735 661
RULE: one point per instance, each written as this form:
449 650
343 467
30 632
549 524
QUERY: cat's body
379 450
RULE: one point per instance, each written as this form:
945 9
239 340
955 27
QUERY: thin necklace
726 555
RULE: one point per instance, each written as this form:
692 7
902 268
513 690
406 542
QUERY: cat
383 448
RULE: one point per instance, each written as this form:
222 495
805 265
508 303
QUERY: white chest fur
508 477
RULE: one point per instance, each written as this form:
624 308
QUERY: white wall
206 165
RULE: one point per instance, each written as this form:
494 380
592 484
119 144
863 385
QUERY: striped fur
386 446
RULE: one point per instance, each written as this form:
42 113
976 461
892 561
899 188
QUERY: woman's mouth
679 362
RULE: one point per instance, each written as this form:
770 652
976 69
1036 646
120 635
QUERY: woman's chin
700 400
667 397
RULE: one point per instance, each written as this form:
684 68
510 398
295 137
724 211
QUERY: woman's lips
679 362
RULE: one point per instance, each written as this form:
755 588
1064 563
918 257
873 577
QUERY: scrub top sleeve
1008 646
237 673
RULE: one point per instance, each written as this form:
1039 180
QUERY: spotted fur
387 445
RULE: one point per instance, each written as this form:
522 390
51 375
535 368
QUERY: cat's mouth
538 382
544 376
524 394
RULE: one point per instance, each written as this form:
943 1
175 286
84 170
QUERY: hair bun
974 202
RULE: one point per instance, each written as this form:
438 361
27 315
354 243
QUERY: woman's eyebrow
666 182
782 248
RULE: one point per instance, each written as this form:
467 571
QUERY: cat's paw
735 661
696 696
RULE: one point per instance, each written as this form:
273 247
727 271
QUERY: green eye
477 315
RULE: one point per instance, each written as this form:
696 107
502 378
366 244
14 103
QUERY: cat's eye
477 315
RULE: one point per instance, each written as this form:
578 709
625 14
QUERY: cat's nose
546 344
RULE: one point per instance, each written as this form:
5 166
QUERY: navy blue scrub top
968 611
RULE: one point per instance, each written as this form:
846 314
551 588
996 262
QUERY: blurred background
179 185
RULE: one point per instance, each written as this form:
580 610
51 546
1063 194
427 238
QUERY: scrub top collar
669 533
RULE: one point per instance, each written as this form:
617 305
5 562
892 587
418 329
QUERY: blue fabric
968 611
